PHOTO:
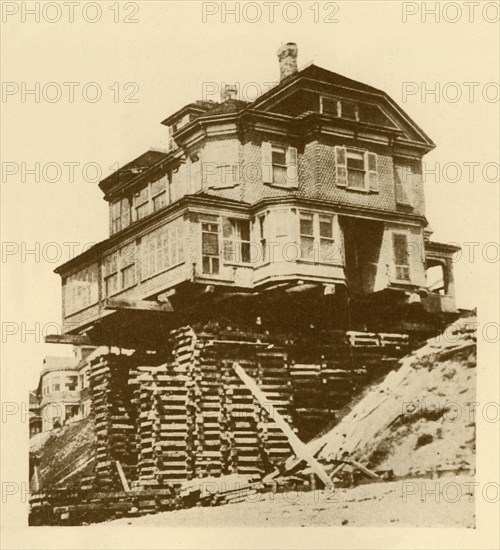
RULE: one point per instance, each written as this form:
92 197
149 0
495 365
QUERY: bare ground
408 503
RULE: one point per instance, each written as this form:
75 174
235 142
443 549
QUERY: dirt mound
420 419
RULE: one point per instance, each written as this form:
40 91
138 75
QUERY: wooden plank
300 449
123 479
74 339
138 305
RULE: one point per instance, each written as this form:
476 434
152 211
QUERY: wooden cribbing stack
190 415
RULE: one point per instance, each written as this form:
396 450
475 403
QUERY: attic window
339 108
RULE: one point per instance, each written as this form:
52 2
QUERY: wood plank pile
190 417
114 414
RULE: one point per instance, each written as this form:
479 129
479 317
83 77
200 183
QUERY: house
310 194
62 394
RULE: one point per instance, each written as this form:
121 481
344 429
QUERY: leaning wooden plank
140 305
123 479
300 449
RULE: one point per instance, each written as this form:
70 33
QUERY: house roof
133 169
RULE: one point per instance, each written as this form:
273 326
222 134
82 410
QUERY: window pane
229 249
279 156
326 227
111 284
279 175
306 225
245 252
142 211
348 110
160 201
400 249
128 276
210 244
244 227
329 106
356 179
307 248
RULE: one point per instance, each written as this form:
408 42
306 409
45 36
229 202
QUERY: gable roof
318 74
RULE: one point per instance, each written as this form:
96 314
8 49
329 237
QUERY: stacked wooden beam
114 419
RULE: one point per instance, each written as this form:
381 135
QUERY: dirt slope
64 451
420 419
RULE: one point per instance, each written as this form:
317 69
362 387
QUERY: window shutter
403 181
292 171
220 170
267 162
371 172
341 166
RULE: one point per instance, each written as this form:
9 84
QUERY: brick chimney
287 56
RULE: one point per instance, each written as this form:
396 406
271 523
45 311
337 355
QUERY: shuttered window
356 169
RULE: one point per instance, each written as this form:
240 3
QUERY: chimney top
287 57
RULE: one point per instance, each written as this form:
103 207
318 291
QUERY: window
329 106
71 410
81 290
355 170
127 266
236 243
262 235
317 234
403 179
141 203
110 272
162 249
326 240
159 193
279 165
119 270
307 236
401 257
339 108
56 386
210 246
348 110
72 383
120 215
